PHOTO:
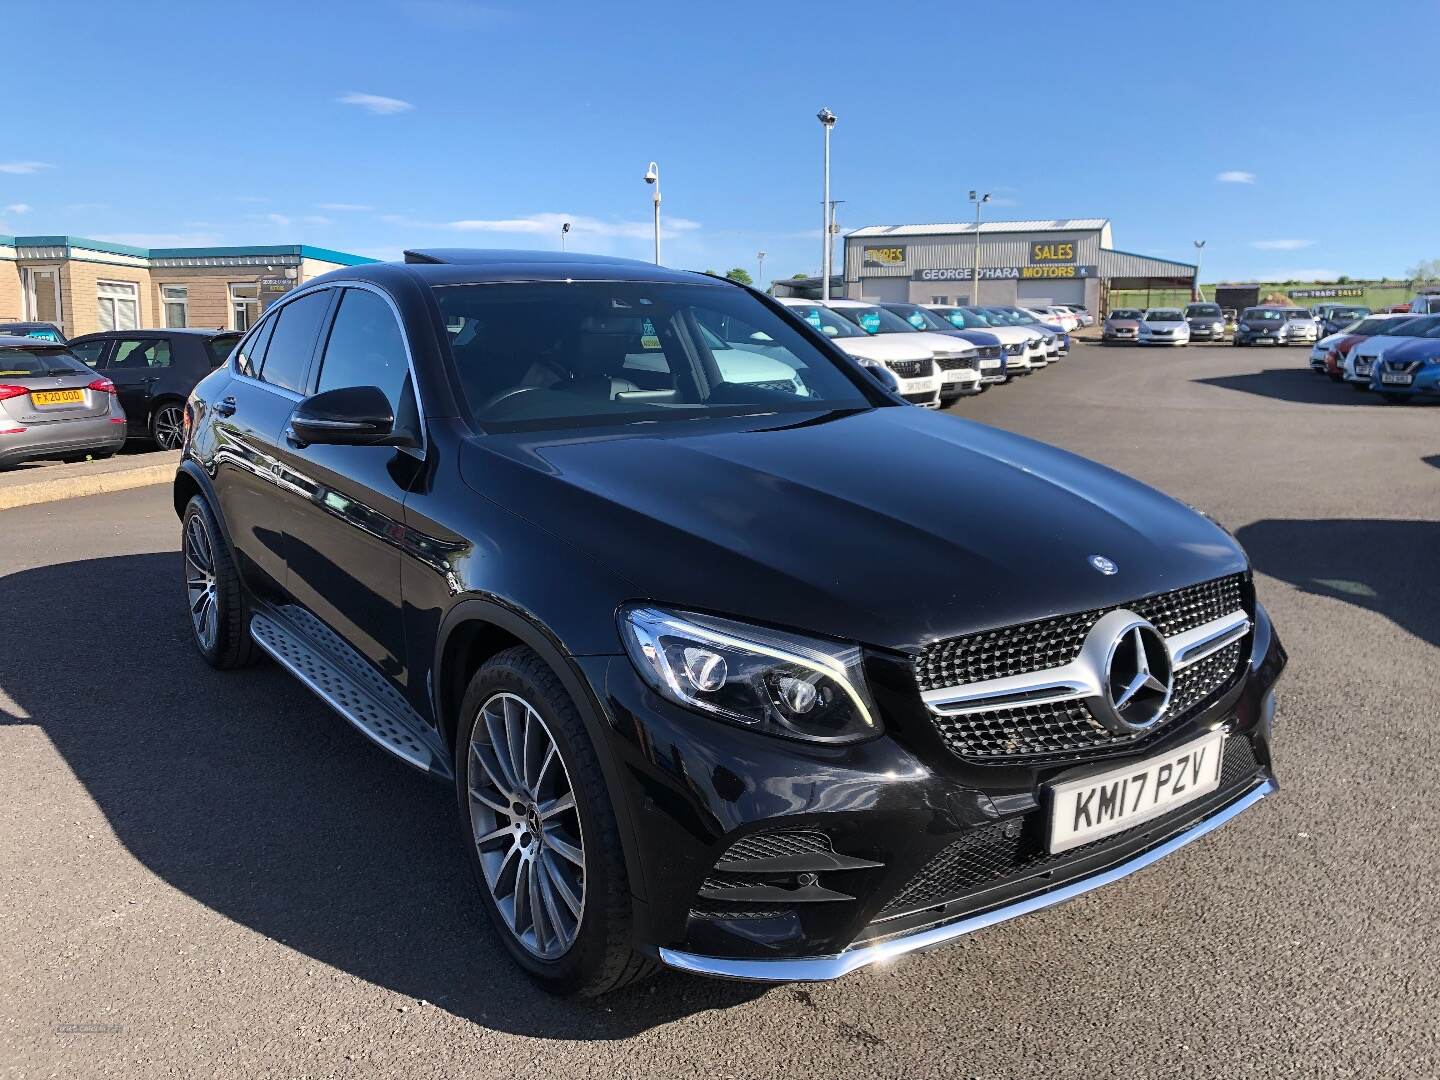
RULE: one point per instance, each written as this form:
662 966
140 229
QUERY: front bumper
884 812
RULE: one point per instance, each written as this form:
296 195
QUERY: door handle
225 406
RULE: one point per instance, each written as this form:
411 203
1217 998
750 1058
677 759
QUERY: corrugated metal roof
955 228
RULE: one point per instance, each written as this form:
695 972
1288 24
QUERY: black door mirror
345 416
884 376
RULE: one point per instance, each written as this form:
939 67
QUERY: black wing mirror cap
345 416
884 376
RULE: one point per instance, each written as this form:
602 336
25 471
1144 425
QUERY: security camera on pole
760 270
652 176
978 200
564 228
827 120
1195 293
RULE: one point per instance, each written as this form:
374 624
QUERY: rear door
93 352
136 365
271 368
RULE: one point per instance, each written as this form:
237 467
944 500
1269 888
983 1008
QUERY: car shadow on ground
1432 459
1383 566
1298 384
245 792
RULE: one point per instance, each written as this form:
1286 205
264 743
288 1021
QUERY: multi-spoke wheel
526 826
167 426
213 590
200 580
540 828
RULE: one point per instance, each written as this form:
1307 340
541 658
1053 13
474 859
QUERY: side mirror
345 416
883 375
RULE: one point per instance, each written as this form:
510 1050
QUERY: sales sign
1052 251
272 289
884 256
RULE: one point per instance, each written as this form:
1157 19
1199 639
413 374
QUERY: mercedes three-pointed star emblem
1138 679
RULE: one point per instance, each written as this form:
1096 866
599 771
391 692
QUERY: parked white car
911 361
1057 316
1024 348
1081 313
1425 304
1164 326
879 322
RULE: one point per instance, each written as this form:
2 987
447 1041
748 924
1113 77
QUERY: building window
42 295
176 300
118 305
939 300
244 304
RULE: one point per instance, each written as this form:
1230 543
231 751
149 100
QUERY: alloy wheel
526 826
168 428
200 581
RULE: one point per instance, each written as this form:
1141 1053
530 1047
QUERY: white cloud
1280 245
547 223
162 240
375 103
22 168
272 219
316 219
18 208
1235 176
344 207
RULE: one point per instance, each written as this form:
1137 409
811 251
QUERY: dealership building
87 285
1033 263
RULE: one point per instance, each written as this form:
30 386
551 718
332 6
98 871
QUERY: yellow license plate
57 397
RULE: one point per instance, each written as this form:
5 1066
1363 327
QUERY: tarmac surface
207 874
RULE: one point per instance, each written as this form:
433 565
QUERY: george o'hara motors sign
1007 273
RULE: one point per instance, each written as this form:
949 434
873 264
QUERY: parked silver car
1303 329
1164 326
1206 321
52 405
1122 324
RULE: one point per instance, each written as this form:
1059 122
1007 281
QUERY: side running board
348 686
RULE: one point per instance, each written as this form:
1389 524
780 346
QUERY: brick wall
209 292
78 294
12 306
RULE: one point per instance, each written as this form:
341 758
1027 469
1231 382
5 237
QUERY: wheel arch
476 629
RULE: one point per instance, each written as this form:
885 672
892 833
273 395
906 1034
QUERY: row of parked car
939 353
1262 325
1395 354
87 396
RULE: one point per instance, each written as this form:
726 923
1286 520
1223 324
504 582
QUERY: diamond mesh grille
1006 848
776 844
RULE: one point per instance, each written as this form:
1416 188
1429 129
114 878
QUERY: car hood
892 526
1413 349
1374 346
1123 324
979 338
885 347
1155 324
1012 335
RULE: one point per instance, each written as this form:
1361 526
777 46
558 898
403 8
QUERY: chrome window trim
1083 677
822 968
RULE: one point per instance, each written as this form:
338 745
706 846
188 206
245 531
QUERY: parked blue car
1409 370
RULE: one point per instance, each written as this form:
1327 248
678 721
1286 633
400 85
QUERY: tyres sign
885 256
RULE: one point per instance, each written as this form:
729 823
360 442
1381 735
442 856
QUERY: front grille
954 363
920 399
1007 848
911 369
1033 732
989 352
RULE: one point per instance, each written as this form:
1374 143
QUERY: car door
137 364
347 532
270 370
93 352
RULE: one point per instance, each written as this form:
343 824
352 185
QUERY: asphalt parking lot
210 874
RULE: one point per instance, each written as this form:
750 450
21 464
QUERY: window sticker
648 338
870 322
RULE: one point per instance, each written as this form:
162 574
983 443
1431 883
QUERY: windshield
564 354
37 362
876 320
1263 315
1348 314
1163 315
1203 311
1297 314
1013 316
919 318
827 322
1125 313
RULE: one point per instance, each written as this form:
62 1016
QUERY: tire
598 956
1335 378
166 425
223 638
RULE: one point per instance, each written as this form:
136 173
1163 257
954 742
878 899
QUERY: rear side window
133 354
218 348
366 347
287 356
89 352
252 354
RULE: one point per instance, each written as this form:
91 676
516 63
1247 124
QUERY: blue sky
1282 134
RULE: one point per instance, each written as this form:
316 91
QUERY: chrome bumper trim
822 968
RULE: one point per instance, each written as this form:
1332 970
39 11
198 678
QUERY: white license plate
986 365
920 386
1396 380
1112 801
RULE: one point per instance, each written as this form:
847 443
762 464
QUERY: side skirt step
375 709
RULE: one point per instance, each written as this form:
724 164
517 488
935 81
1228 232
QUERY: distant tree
715 273
1425 270
1343 279
737 274
797 277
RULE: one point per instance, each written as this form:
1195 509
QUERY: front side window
366 348
136 353
118 305
176 301
292 343
564 354
244 304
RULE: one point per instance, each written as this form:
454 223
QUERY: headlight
1245 326
1217 326
782 684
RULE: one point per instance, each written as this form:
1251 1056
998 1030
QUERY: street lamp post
564 228
827 121
1195 293
652 176
760 270
979 200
